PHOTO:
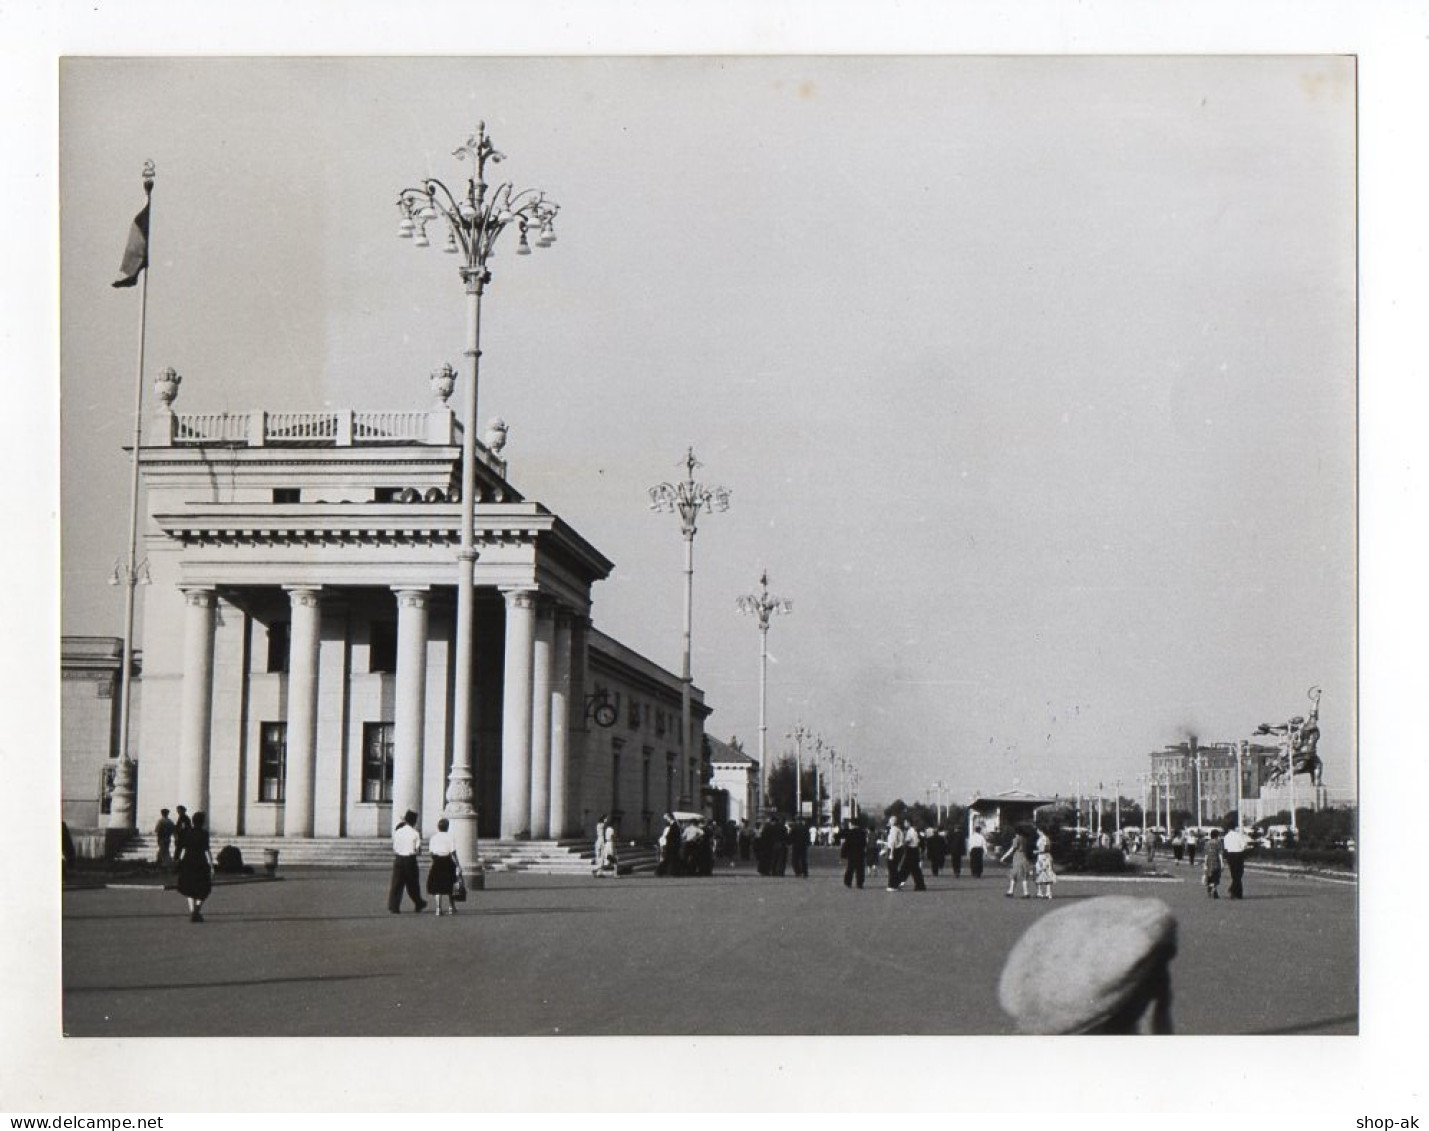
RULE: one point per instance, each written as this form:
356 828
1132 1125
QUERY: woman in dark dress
442 875
195 867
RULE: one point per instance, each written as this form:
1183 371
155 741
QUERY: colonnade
542 707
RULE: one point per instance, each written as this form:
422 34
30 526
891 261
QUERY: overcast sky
1032 379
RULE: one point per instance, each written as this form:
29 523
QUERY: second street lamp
762 606
687 499
473 221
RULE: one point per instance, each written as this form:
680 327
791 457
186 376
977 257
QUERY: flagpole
121 814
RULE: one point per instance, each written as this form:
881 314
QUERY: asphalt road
316 953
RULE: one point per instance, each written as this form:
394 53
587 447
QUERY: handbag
458 882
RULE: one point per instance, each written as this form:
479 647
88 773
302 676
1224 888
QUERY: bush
1105 861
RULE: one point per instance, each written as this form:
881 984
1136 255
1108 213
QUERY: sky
1033 380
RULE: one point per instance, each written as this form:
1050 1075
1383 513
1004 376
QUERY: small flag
136 251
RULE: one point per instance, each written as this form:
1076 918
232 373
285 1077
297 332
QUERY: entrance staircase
545 857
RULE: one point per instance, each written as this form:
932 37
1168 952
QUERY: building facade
299 637
1189 774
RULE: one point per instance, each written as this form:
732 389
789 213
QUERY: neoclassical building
299 637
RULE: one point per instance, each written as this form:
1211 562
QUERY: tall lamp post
687 499
763 607
473 221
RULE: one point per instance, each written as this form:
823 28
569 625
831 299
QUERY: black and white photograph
820 548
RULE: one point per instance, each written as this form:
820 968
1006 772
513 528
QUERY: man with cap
406 845
1100 966
1235 846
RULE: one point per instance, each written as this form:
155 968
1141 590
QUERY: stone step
565 857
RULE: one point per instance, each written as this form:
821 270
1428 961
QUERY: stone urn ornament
496 435
166 388
443 382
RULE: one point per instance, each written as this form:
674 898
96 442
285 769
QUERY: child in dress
1043 875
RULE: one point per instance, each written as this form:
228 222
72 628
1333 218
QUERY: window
659 722
616 746
634 716
279 636
377 761
670 786
272 760
287 495
382 647
646 756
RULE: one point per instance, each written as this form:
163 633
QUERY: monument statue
1302 737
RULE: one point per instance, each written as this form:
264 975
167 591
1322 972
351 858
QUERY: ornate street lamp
472 221
763 606
687 499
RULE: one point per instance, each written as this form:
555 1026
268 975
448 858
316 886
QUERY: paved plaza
315 953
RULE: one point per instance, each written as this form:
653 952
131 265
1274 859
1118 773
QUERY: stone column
516 714
409 725
303 640
542 678
579 740
561 726
196 708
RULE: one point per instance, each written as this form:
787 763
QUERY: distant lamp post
688 499
763 607
472 221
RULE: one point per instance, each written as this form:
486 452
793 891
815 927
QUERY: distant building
1180 771
737 775
90 668
299 642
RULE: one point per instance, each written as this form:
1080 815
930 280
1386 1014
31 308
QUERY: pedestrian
780 845
406 847
956 844
1235 847
799 847
182 824
1178 846
1193 846
746 840
1043 874
1020 855
444 870
937 845
164 832
764 847
911 864
1150 847
195 866
977 849
608 864
598 847
852 848
893 852
1211 867
669 861
1099 966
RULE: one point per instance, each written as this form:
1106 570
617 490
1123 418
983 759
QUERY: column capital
520 598
306 596
412 596
200 597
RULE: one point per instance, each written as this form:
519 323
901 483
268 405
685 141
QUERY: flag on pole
136 251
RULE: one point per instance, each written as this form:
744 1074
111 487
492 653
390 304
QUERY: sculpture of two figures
1302 736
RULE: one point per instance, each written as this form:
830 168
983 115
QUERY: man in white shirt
893 845
977 848
912 856
1235 846
406 846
